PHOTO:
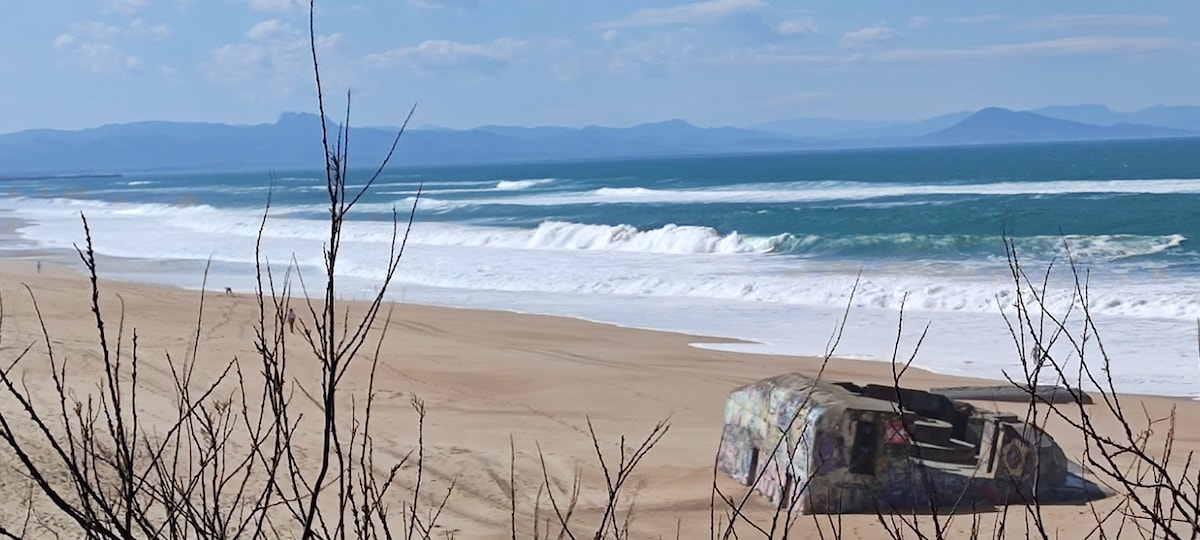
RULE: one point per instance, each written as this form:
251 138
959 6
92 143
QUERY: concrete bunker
838 447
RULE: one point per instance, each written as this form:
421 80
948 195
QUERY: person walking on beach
291 320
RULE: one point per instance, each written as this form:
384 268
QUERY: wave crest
681 239
516 185
1095 248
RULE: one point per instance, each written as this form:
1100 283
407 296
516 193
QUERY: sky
74 64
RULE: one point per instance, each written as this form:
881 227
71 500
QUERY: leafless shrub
1159 492
618 507
227 463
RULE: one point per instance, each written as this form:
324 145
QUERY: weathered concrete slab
1015 394
839 447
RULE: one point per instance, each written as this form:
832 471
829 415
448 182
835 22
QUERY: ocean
764 248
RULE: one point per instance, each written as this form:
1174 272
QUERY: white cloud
267 29
749 57
978 19
283 6
94 30
140 27
104 58
462 5
918 21
98 31
564 63
695 13
274 61
867 36
1056 48
92 44
129 6
1065 47
64 41
1098 21
329 41
653 41
257 68
654 56
442 55
796 27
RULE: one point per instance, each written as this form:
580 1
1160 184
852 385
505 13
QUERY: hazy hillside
821 128
1175 117
294 140
829 128
996 125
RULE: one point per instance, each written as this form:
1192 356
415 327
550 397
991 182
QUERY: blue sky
73 64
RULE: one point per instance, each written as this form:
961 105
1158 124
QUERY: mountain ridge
995 125
293 140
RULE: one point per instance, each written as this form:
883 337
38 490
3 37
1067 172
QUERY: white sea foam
1088 248
596 271
855 193
833 191
464 187
671 261
517 185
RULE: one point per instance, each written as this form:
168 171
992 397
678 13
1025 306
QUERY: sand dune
486 378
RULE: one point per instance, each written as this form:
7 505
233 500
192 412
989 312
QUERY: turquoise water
762 247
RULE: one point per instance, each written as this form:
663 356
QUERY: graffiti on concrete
817 447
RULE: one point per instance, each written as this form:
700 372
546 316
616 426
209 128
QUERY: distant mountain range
994 126
1186 118
293 141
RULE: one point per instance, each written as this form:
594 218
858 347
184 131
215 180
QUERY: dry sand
486 377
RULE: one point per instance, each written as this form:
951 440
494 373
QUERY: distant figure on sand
291 320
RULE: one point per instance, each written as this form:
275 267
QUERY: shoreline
61 262
65 264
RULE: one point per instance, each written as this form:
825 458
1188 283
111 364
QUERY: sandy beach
488 378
